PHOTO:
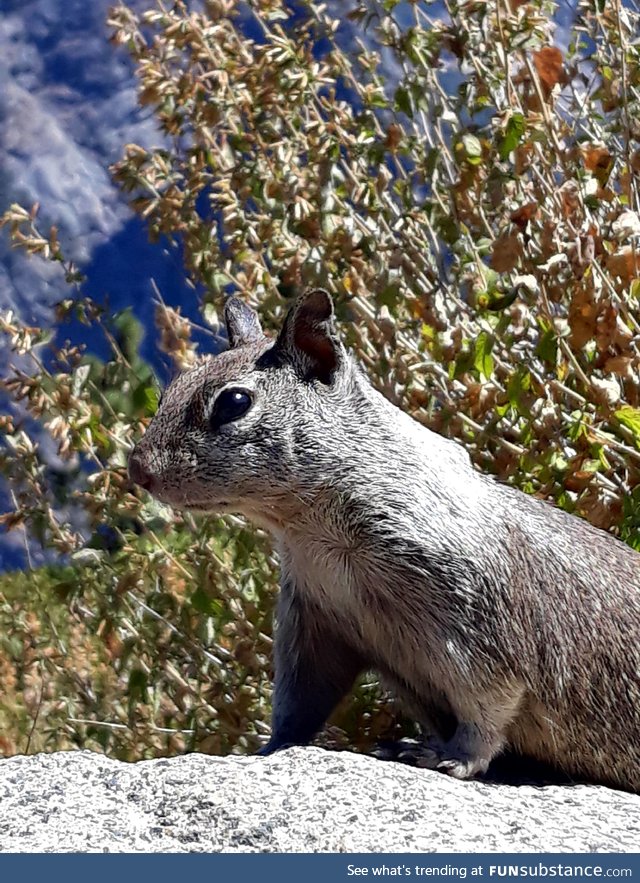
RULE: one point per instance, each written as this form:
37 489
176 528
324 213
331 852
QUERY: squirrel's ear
308 338
243 324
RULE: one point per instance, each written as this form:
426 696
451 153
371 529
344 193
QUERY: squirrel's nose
138 472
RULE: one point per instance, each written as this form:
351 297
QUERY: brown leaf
598 160
521 216
570 196
582 253
620 365
507 251
607 327
9 520
578 481
524 157
548 65
624 264
394 137
583 317
599 509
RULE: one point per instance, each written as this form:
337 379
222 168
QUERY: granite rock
300 800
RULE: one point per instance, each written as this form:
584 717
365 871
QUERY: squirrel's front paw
410 751
452 759
432 754
461 768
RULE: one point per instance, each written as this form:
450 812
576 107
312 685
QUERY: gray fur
243 325
499 619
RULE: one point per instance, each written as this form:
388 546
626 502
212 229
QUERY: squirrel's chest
361 589
379 602
334 571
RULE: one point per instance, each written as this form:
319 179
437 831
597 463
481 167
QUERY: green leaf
137 688
210 315
203 603
513 132
547 348
403 101
448 229
602 456
565 502
497 303
390 295
419 96
219 281
80 376
428 332
519 382
145 399
377 99
482 358
630 418
431 162
87 557
472 146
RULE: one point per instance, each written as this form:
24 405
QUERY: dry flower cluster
467 189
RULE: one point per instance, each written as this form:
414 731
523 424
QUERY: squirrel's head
243 431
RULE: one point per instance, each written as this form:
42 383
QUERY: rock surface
301 800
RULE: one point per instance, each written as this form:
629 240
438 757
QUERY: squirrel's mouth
183 501
203 507
218 508
265 517
261 512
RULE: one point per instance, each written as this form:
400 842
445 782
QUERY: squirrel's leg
314 669
481 733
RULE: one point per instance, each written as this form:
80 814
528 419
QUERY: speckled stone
301 800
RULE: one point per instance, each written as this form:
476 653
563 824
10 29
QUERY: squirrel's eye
230 405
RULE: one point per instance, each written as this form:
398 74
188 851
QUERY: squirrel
500 621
